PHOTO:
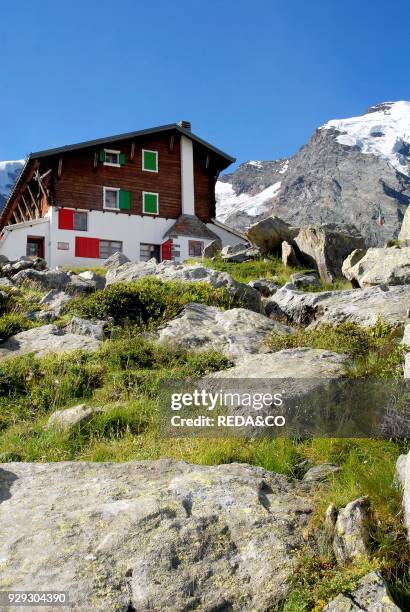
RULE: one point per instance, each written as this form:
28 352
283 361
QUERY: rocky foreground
166 535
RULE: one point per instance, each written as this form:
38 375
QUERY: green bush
147 301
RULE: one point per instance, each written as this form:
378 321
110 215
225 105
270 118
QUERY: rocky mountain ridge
9 171
351 171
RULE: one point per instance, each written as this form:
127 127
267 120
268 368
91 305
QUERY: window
35 246
195 248
147 251
69 219
80 221
149 203
109 157
111 198
109 247
149 161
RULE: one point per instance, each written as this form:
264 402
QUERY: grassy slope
124 375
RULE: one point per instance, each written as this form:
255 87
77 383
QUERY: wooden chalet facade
147 193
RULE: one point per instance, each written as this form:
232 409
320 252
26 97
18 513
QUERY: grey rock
71 417
171 270
326 246
232 249
352 538
3 260
6 282
265 287
85 327
269 234
406 371
43 340
54 279
371 595
289 257
236 332
321 472
301 280
363 306
212 248
244 254
115 260
403 476
152 535
96 279
378 266
55 301
297 364
406 335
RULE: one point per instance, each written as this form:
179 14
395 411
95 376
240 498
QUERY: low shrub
148 301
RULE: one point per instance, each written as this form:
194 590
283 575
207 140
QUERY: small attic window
110 157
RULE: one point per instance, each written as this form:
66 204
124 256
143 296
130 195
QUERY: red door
166 250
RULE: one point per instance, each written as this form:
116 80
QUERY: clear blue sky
255 78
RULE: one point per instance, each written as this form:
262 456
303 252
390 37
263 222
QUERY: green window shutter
125 200
122 159
151 203
102 155
150 161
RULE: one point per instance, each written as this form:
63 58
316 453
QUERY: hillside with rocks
9 171
98 498
351 171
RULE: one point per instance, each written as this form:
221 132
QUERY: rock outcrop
289 257
72 417
351 535
151 535
326 246
404 234
170 270
269 234
46 339
363 306
371 595
54 279
235 332
212 248
390 266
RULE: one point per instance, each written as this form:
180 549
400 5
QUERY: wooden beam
14 216
26 206
60 167
171 143
207 162
22 216
95 159
8 213
132 150
33 200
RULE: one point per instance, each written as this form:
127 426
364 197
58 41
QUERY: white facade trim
187 176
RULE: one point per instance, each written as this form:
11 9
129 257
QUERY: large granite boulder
151 535
326 246
171 270
240 253
235 332
212 248
289 257
46 339
96 279
69 418
390 266
351 534
371 595
269 234
363 306
115 260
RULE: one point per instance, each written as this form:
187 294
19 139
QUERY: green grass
15 303
270 268
375 351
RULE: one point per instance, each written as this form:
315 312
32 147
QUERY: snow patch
383 131
284 167
257 164
228 202
9 171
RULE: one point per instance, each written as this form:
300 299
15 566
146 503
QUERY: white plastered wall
14 242
187 176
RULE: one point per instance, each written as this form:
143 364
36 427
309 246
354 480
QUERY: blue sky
255 78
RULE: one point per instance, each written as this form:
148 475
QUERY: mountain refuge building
146 194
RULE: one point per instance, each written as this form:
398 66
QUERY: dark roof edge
161 128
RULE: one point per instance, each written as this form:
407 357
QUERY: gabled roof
129 135
190 225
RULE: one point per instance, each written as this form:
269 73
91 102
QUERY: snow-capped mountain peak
384 130
9 171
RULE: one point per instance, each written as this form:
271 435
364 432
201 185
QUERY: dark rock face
327 182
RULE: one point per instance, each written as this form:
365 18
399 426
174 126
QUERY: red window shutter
166 250
87 247
65 219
